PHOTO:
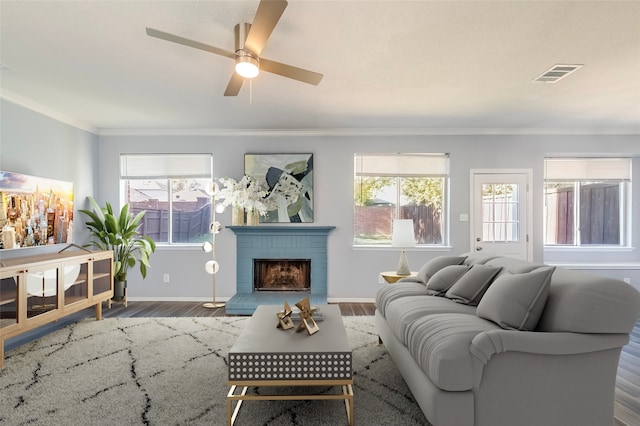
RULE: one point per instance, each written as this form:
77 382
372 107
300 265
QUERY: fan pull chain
250 91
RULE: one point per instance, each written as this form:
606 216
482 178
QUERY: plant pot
119 290
237 216
253 218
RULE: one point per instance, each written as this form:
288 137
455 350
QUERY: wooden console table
36 290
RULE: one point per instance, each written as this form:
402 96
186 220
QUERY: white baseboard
630 266
175 299
351 300
225 299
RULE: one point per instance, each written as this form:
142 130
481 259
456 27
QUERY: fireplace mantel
281 230
278 242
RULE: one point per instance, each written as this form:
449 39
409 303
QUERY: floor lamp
212 266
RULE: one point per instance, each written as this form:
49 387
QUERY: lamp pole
212 265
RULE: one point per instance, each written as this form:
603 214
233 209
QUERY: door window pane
500 212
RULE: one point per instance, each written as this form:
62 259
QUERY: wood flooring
195 309
627 397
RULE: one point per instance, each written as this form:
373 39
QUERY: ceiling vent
556 73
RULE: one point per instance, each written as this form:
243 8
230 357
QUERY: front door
501 213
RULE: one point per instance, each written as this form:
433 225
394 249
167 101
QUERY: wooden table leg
348 402
98 311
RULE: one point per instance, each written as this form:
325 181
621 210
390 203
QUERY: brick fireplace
289 244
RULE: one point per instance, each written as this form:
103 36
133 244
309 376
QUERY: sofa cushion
435 264
477 258
400 313
442 280
391 292
470 288
513 265
440 345
516 301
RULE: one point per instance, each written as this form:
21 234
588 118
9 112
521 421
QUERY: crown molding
478 131
383 131
48 112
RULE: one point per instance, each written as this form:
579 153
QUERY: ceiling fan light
247 66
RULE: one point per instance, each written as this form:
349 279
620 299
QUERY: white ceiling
431 65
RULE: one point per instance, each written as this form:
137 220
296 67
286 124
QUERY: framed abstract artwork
288 182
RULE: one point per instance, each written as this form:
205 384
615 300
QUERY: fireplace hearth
285 247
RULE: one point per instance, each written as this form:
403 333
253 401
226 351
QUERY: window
400 186
585 201
172 188
500 215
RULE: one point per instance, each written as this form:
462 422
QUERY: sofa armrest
489 343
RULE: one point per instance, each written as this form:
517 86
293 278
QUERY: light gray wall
33 144
353 273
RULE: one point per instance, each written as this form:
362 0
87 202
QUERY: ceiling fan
250 40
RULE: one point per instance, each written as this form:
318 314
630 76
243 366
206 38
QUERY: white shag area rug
173 371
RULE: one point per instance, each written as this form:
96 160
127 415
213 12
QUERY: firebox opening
281 274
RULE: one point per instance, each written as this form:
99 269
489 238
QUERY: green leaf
97 209
124 218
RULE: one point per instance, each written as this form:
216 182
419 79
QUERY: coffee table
267 356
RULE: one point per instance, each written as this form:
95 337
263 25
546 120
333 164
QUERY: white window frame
578 170
169 166
407 165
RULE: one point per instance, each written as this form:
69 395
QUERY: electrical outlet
165 278
627 280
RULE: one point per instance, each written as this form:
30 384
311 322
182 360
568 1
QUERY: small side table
391 277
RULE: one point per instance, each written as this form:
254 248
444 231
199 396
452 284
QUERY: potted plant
120 234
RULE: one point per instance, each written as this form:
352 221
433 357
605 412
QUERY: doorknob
478 239
478 248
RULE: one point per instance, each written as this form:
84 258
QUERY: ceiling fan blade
191 43
267 16
290 71
233 88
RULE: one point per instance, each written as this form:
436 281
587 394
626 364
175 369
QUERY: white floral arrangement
247 193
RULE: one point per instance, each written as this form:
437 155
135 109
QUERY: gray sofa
491 341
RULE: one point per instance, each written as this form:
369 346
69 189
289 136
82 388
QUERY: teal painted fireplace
278 242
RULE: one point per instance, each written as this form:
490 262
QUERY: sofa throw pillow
435 264
470 288
516 301
478 258
442 280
